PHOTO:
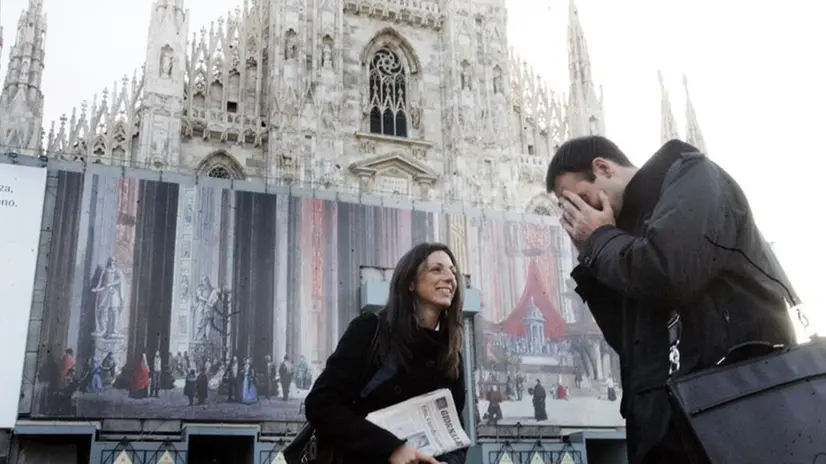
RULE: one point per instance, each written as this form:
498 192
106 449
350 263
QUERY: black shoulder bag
305 448
762 403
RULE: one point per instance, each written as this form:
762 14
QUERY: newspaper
428 423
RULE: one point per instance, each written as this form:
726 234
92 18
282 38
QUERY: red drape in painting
535 293
140 379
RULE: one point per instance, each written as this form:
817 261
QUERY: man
670 245
285 371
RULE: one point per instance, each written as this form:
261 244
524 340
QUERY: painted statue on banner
196 302
108 299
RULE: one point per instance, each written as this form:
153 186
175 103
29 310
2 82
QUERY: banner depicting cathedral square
197 302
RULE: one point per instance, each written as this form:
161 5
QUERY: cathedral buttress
480 131
163 87
305 91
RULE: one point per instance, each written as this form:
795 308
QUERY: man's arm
604 303
684 244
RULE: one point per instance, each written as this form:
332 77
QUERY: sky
756 70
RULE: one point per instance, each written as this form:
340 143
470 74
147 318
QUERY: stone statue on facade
327 56
497 82
291 50
166 62
207 299
108 299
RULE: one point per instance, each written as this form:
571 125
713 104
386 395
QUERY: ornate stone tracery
388 94
392 95
221 165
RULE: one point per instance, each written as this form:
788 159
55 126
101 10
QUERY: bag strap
387 370
675 329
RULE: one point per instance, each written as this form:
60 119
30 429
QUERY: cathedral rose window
388 95
219 172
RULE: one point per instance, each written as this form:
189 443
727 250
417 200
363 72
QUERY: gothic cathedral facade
423 100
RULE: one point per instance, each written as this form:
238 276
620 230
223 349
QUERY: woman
249 394
421 329
95 380
140 379
107 368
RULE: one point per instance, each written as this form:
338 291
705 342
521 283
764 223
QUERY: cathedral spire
693 134
668 124
579 60
585 115
21 100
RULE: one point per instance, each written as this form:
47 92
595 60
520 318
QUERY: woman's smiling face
436 281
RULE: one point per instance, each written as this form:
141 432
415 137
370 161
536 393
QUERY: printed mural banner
199 302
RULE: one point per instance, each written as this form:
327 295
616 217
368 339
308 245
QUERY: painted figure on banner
95 381
206 299
139 387
232 378
285 372
269 386
249 393
108 367
108 292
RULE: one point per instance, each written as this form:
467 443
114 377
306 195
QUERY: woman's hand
408 455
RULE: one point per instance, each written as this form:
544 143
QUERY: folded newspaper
428 423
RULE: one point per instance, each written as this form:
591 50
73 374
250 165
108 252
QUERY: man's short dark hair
577 156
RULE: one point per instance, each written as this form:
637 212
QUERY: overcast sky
757 72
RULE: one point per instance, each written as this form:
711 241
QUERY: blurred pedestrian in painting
231 380
412 347
157 372
578 377
202 386
494 412
539 398
95 380
107 369
612 390
269 387
249 393
48 380
191 386
140 379
285 372
561 390
67 362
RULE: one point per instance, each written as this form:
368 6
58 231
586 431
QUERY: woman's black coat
338 422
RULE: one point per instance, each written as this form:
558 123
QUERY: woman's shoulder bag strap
387 370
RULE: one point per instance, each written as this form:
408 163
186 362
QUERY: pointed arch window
388 94
221 165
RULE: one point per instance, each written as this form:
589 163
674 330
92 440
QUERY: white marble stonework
284 90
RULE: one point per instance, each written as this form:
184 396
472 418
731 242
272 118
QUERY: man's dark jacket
683 242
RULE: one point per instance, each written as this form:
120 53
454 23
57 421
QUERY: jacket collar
643 191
